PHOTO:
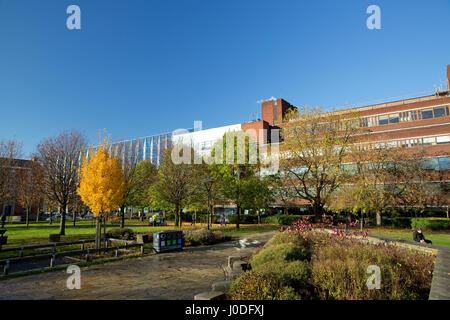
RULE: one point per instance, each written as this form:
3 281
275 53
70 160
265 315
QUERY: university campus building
418 121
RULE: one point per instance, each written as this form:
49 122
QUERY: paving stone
210 295
221 285
191 271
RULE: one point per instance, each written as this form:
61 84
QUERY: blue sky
142 67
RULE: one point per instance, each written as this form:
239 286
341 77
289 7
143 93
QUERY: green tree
263 193
238 161
142 178
176 184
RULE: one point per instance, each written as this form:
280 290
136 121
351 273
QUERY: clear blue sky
142 67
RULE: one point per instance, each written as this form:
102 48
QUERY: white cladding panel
203 140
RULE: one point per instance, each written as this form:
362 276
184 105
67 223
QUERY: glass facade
146 148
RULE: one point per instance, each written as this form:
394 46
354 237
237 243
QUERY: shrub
202 236
280 253
286 237
243 218
431 223
339 271
121 233
295 274
252 285
282 219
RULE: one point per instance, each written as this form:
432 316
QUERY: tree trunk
378 219
317 213
122 217
104 228
238 212
176 216
259 216
362 222
98 232
62 226
180 220
27 216
447 213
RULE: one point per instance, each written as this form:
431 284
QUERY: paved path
172 276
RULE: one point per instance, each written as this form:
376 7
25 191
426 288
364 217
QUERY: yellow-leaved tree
102 185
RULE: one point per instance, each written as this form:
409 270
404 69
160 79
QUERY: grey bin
166 241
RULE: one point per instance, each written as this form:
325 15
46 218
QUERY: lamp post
208 182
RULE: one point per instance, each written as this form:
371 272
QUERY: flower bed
301 263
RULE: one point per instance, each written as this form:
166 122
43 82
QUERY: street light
208 182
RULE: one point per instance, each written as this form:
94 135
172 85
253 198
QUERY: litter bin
166 241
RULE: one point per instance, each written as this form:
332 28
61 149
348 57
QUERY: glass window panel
430 164
427 114
382 120
443 139
393 118
439 112
444 163
429 141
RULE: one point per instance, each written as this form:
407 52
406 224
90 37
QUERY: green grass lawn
18 236
439 239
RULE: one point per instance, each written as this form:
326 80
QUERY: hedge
283 219
431 223
397 222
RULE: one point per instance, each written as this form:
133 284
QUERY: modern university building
418 121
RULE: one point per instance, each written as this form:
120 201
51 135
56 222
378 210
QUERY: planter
54 237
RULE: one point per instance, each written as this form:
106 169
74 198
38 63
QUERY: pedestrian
419 237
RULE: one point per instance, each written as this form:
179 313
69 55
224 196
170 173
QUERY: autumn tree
10 150
60 159
412 175
369 171
311 157
102 185
29 186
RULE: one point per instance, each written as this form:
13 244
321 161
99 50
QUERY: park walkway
171 276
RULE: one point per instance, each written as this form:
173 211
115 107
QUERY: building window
443 139
430 164
382 120
439 112
444 163
429 141
364 122
393 118
427 114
